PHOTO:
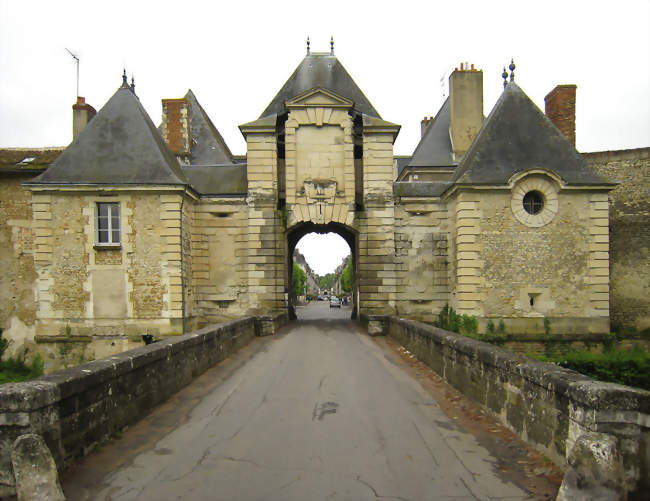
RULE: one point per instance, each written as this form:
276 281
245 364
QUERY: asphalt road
317 412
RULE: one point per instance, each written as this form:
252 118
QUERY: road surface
318 412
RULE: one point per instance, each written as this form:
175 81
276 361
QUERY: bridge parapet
77 408
546 405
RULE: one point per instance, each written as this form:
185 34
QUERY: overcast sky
235 56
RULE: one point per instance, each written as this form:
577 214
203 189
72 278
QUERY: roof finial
308 45
124 79
331 46
504 75
512 69
132 83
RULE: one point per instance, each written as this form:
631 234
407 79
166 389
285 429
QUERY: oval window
533 202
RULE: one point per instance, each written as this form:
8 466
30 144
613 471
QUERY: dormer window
107 232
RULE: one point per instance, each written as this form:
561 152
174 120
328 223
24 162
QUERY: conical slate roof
517 137
320 70
434 149
208 146
120 145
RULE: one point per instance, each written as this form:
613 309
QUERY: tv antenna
76 58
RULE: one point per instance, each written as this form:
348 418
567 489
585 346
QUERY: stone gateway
139 230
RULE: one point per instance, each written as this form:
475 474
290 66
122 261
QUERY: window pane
115 221
116 236
102 223
103 210
102 236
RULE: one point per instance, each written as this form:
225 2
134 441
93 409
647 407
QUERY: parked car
335 303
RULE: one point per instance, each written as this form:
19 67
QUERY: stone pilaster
469 267
598 279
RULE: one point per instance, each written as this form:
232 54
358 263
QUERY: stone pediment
319 98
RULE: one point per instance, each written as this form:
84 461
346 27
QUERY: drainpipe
182 264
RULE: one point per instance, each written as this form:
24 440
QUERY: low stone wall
546 405
78 408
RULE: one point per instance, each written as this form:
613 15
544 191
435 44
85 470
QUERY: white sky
323 252
235 56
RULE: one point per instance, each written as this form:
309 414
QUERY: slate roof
208 146
227 179
320 70
516 137
119 146
402 162
34 160
420 188
434 149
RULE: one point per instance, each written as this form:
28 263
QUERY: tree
347 277
298 281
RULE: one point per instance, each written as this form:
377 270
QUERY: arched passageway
295 233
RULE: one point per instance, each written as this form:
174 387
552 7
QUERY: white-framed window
107 224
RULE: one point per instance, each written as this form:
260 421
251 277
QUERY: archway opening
327 261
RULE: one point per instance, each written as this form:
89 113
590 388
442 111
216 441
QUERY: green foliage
547 326
14 370
490 327
470 325
4 344
501 329
629 367
298 281
327 281
347 277
449 320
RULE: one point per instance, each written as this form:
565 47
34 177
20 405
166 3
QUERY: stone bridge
312 409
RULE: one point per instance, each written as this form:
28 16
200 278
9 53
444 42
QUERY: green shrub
628 367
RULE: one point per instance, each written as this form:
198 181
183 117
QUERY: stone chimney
466 107
82 113
424 125
176 127
560 106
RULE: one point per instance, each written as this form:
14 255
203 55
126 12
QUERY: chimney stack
560 106
424 125
82 113
176 127
466 107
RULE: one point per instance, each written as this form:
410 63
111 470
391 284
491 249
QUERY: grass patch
15 370
629 367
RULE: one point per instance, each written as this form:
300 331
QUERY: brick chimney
176 127
82 113
424 125
560 106
466 107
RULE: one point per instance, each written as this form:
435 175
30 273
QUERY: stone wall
95 300
219 252
629 222
76 409
526 271
421 249
18 275
546 405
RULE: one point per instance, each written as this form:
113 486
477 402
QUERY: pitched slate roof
517 137
434 149
120 145
33 160
320 70
227 179
208 146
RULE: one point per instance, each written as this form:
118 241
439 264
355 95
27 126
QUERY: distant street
318 412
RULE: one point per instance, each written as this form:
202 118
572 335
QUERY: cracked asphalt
319 411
